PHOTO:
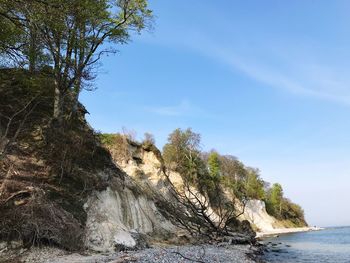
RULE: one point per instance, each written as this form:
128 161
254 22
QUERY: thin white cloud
300 69
302 78
183 108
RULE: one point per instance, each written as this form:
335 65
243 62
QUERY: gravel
184 254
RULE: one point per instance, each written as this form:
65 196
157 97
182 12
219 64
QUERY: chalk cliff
146 167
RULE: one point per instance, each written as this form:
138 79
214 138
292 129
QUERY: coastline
279 231
223 253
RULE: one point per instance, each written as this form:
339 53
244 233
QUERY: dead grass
36 220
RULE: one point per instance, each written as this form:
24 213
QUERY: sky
266 81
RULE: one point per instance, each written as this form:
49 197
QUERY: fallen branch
23 194
184 257
187 258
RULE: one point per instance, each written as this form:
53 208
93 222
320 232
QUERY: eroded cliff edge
60 186
144 163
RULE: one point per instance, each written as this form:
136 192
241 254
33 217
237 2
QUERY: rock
276 250
255 213
124 241
22 250
184 238
15 244
126 258
118 219
141 240
3 246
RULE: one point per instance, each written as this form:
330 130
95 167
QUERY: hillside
64 185
60 186
69 193
145 163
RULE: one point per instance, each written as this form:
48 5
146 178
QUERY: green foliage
10 36
212 183
214 175
232 168
234 175
275 200
254 185
182 154
117 144
282 208
107 138
69 36
214 165
293 212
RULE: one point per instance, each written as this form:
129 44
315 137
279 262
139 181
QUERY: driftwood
23 197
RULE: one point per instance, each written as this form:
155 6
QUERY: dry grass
48 170
36 220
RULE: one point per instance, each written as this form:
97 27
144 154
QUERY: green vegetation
254 184
200 171
282 208
68 38
274 200
108 138
48 51
224 183
182 154
50 160
213 174
214 165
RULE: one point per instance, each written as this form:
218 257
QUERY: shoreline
279 231
224 253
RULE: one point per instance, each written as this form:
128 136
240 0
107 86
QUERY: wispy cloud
181 109
299 75
300 70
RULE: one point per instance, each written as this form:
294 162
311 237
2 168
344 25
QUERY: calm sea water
328 245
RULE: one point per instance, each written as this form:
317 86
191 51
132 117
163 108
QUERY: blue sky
266 81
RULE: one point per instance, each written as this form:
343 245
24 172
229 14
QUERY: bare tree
202 218
12 125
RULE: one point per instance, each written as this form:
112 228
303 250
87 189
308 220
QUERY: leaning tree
70 36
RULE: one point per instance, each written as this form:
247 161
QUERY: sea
331 245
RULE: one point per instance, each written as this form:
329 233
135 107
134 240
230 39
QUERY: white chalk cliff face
149 171
117 216
150 174
255 213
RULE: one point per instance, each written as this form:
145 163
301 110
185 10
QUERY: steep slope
119 218
144 163
255 213
58 185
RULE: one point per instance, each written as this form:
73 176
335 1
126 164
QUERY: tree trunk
76 92
280 208
57 102
32 54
